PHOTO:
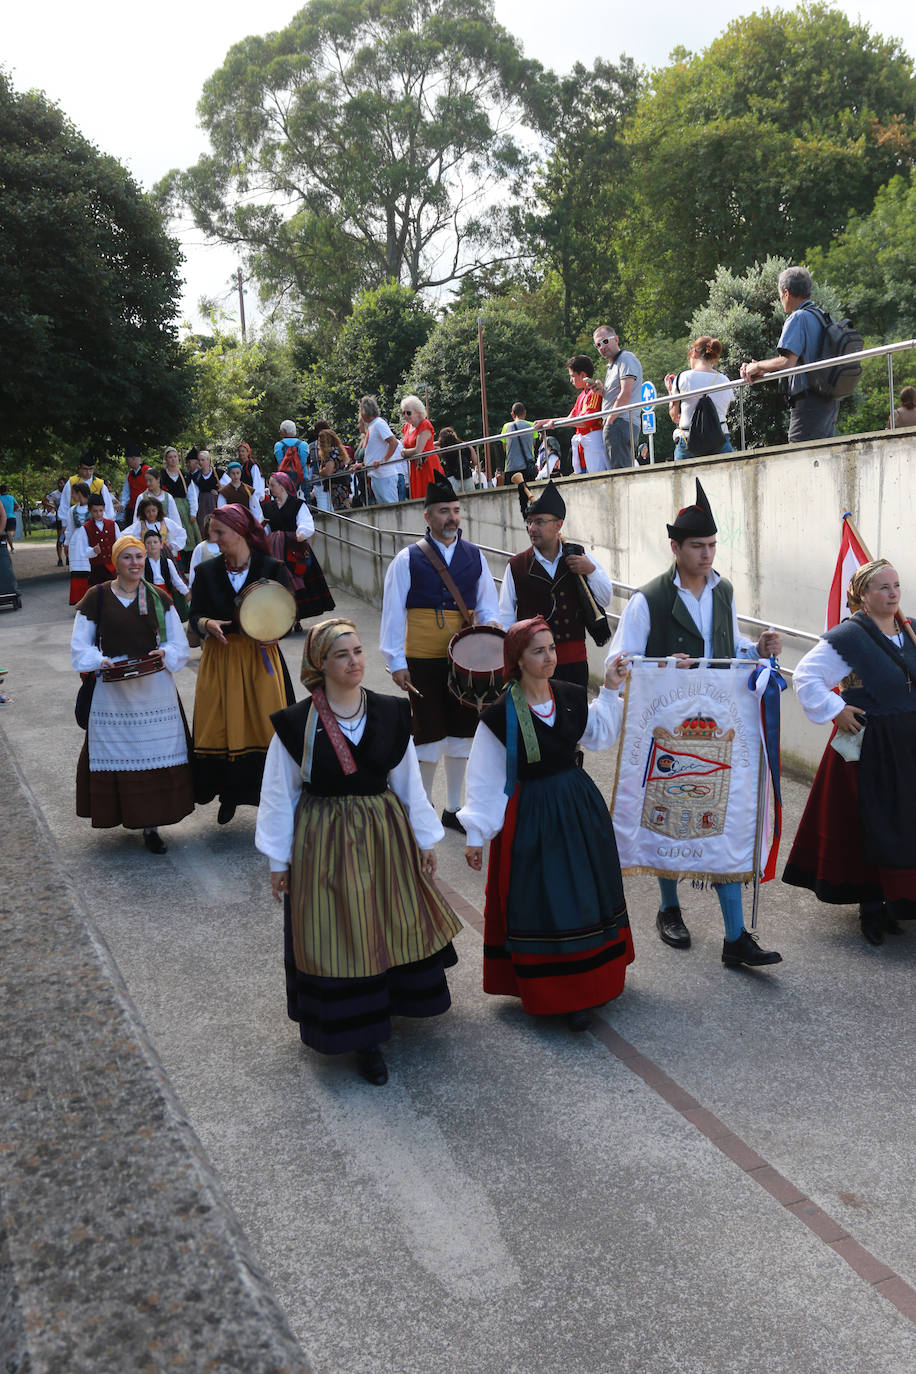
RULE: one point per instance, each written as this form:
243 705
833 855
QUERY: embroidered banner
689 771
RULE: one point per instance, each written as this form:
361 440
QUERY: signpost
647 395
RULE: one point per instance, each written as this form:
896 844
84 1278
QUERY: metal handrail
618 587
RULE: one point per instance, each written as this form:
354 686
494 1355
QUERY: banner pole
758 833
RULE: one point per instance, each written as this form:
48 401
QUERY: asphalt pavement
718 1178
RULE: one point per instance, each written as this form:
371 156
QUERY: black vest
885 675
555 600
381 748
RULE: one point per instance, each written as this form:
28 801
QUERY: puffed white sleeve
600 585
393 629
605 716
109 503
486 608
280 790
177 579
178 535
744 647
632 633
305 525
407 784
254 506
821 669
485 788
85 654
257 482
507 600
176 644
193 499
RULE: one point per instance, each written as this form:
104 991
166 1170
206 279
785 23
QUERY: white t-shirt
695 380
377 436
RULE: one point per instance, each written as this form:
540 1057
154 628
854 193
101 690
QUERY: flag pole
900 618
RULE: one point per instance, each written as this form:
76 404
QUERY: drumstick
409 685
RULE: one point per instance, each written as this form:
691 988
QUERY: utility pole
239 279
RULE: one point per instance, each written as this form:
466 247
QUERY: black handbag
83 703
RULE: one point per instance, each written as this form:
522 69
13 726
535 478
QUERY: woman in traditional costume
185 496
556 928
133 769
418 444
857 839
241 682
207 481
290 525
350 836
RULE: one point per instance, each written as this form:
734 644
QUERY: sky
129 78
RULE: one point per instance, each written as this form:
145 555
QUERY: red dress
422 438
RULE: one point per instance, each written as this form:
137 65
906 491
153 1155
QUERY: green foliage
872 263
520 366
372 350
89 283
760 145
356 146
571 206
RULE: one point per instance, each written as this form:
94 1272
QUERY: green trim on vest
673 630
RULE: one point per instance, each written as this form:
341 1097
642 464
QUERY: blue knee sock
667 889
729 895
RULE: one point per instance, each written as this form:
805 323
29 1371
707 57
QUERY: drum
266 611
132 667
475 665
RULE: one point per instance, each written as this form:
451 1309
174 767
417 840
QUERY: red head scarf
517 639
243 522
286 482
246 456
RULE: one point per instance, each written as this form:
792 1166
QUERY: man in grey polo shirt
622 385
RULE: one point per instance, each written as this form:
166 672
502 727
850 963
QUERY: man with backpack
808 335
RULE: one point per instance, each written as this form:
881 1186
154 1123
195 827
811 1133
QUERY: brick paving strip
884 1280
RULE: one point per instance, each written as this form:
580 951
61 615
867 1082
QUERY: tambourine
266 611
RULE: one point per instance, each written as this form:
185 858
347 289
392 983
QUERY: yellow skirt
359 903
236 696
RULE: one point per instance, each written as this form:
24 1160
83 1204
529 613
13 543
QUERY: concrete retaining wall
778 512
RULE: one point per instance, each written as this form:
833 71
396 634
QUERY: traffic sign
648 393
648 421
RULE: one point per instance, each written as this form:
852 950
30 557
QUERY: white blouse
822 669
485 787
283 783
86 656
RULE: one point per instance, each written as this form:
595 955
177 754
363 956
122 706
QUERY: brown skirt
149 797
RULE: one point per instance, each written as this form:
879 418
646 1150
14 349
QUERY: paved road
719 1179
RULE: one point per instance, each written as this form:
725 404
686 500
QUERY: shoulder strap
427 547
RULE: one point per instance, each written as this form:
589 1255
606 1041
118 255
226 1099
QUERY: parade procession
457 689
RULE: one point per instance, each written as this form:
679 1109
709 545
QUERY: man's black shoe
671 927
451 822
745 950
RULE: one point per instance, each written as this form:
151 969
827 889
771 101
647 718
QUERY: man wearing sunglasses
622 385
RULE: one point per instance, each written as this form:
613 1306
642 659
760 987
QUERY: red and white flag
851 556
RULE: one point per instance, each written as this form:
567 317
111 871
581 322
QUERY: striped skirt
367 935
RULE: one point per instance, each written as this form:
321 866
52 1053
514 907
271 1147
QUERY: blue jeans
680 450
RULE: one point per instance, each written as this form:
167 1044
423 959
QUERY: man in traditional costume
688 613
85 472
543 581
134 483
420 614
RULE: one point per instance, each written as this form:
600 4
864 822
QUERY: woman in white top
701 355
382 453
150 516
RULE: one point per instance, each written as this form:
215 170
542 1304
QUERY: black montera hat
549 502
191 453
694 521
132 449
440 493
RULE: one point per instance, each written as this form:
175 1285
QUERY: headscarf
860 579
241 520
287 483
234 463
517 639
247 447
318 644
126 541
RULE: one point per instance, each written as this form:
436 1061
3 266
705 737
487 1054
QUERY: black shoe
154 842
671 928
451 822
578 1020
225 813
745 950
872 921
372 1067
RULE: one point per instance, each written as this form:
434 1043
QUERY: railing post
890 387
741 418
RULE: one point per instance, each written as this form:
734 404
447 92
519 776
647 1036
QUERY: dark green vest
673 630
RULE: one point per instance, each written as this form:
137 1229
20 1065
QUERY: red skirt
79 586
826 855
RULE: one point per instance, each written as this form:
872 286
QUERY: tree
357 145
372 350
872 263
760 145
520 366
89 287
570 210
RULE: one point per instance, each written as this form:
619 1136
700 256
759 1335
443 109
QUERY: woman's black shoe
871 919
372 1067
154 842
225 813
578 1020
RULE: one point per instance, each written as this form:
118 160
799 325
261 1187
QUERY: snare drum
132 667
475 665
266 611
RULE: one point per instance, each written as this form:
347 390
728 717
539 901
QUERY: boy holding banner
689 613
